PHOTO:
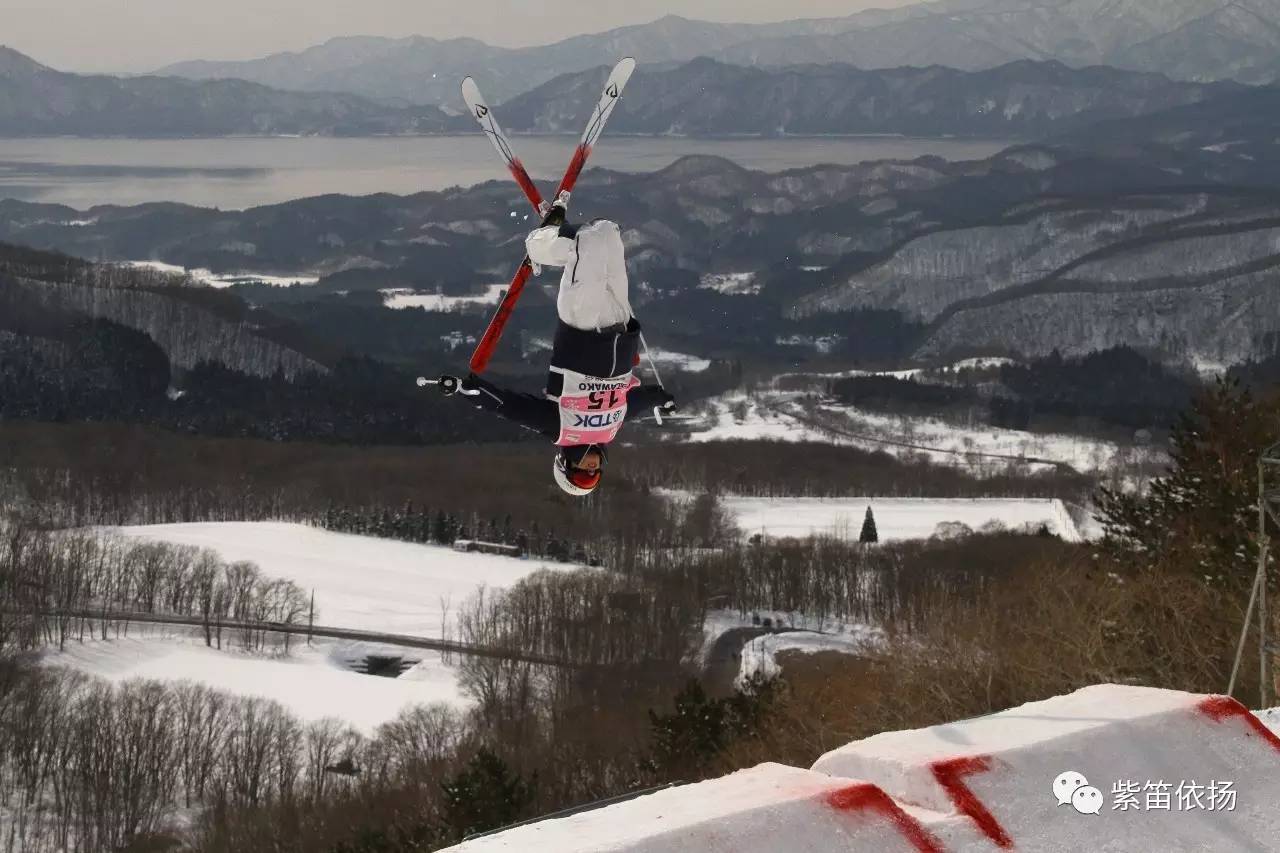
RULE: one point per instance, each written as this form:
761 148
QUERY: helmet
576 481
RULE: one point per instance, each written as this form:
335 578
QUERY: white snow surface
896 518
313 683
1270 718
731 283
790 416
811 634
760 655
1112 735
770 807
213 279
360 582
974 785
405 298
680 361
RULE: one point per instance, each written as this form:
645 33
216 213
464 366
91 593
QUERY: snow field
360 582
776 416
213 279
313 683
1046 776
679 360
896 518
731 283
402 298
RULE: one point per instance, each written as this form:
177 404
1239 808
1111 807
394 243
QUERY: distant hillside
81 341
704 97
38 101
48 295
1198 40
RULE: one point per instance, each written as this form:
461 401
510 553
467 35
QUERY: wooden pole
311 617
1264 547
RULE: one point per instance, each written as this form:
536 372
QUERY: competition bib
592 410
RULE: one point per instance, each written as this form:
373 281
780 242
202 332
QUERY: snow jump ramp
1105 769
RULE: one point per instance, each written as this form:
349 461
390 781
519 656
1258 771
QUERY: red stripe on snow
950 775
866 797
1219 708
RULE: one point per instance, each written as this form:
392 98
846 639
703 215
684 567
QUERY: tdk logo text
597 421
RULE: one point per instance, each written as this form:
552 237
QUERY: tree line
1112 388
59 586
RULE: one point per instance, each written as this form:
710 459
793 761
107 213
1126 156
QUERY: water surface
240 173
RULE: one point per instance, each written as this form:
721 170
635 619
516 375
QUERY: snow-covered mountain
1189 39
1186 39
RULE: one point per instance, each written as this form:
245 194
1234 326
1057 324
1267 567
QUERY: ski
595 127
489 125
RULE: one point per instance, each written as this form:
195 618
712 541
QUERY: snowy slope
766 808
896 518
213 279
1056 775
795 417
359 581
313 682
405 298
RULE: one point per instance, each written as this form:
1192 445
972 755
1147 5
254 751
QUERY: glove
555 217
559 208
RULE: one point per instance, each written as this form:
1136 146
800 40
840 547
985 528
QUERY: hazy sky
142 35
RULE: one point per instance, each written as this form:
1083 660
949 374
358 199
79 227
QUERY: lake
246 172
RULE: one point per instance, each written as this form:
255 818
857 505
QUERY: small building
473 546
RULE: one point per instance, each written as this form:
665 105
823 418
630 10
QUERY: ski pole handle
449 385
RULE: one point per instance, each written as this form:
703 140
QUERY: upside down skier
590 385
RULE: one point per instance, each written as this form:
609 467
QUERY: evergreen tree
486 795
1201 516
701 728
869 535
693 734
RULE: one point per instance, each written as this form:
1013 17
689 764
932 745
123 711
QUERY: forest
967 625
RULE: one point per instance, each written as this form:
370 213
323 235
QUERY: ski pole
652 365
451 384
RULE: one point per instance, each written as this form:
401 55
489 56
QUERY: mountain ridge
36 100
1194 40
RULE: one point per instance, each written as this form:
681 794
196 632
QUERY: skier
590 386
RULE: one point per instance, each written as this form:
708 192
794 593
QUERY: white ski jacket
594 288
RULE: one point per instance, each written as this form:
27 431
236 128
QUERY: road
328 632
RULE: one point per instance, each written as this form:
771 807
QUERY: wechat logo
1071 788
